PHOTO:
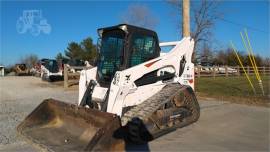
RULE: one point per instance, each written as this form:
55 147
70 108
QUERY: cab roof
127 29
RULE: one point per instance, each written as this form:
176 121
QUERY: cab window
142 49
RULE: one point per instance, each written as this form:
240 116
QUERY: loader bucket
59 126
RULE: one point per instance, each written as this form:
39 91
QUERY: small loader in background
51 70
133 94
21 70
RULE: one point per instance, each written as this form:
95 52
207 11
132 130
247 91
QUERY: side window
142 49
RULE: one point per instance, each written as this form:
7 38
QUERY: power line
243 25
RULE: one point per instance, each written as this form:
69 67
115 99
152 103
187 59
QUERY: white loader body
123 92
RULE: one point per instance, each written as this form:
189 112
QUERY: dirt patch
263 101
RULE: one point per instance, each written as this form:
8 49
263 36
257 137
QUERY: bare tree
204 13
266 61
29 60
206 55
140 15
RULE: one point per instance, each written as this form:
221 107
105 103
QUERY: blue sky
74 21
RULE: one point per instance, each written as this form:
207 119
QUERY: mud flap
59 126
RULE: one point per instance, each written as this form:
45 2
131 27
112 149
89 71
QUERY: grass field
234 89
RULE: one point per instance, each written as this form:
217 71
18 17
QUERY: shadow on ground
137 141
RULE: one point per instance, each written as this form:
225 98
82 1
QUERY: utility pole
186 22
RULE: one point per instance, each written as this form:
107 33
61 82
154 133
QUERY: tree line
85 50
82 51
228 57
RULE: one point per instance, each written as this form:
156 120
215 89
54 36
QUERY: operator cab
124 46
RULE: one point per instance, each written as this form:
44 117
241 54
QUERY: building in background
2 71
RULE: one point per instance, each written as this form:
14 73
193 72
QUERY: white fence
213 71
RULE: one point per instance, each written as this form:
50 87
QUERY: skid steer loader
133 94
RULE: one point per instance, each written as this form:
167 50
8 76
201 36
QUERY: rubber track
152 104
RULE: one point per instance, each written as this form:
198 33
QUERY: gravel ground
18 97
223 126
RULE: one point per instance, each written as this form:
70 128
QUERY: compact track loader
134 94
50 70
